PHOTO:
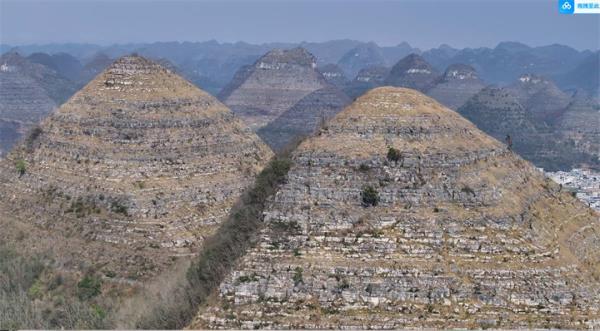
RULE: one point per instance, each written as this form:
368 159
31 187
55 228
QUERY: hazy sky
422 23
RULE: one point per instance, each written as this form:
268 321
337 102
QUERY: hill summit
399 214
277 81
137 167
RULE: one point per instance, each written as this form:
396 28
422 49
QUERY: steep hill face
413 72
56 86
360 57
541 97
134 170
277 81
459 83
447 230
498 112
24 100
64 64
304 118
581 123
334 75
367 79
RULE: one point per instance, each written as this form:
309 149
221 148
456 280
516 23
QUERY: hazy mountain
273 84
458 84
413 72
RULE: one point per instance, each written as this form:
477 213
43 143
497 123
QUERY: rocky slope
581 123
413 72
277 81
133 171
458 84
447 230
304 118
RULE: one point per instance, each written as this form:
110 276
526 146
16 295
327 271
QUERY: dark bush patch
89 286
370 196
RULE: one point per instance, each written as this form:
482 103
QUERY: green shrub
88 287
298 276
393 155
21 167
370 196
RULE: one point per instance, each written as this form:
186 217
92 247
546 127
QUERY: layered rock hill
56 86
133 171
541 97
413 72
366 79
334 75
498 112
360 57
304 118
277 81
458 84
24 101
581 123
447 230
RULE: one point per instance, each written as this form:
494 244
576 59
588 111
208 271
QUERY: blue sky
422 23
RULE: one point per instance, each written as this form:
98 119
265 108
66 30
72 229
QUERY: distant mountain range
211 64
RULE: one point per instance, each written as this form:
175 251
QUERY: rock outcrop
413 72
304 118
402 214
459 83
133 171
278 80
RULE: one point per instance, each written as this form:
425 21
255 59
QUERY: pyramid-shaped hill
458 84
413 72
448 229
273 84
137 167
304 118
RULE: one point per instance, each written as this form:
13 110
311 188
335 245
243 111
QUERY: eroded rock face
304 118
413 72
459 83
137 168
456 232
278 80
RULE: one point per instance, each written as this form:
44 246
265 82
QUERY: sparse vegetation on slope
219 255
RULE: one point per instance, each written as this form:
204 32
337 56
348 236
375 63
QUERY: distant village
585 183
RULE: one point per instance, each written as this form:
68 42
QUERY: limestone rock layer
139 166
451 230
